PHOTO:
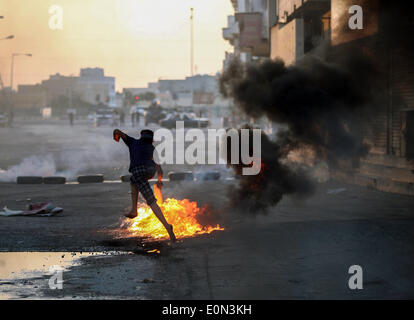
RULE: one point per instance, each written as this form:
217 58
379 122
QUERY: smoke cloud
70 154
34 165
255 193
321 103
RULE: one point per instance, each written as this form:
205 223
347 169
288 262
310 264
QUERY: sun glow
136 41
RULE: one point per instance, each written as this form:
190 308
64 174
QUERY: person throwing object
142 168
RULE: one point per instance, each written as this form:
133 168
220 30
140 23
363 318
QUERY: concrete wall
287 41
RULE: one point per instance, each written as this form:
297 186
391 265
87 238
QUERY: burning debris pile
184 215
321 105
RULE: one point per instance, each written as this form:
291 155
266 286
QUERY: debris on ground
45 209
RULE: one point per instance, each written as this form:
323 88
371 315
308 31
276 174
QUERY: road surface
299 250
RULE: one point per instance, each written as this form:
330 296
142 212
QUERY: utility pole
12 66
192 41
12 71
3 92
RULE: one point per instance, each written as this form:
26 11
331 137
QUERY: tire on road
181 176
126 178
54 180
29 180
96 178
208 176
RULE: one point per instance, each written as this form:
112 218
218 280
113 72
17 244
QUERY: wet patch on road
26 274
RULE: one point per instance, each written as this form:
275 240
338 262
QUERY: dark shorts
140 176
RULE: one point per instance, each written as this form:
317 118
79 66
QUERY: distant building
30 97
135 91
248 30
199 89
153 86
92 86
56 86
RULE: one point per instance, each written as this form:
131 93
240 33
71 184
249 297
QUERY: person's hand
116 135
159 184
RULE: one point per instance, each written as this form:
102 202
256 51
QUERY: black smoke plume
255 193
323 105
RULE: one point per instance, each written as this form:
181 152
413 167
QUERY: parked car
106 117
190 121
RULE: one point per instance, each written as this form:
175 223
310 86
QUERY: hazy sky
137 41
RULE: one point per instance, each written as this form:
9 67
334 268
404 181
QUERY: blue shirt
141 152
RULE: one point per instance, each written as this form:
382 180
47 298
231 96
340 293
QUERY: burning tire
208 176
181 176
126 178
54 180
29 180
97 178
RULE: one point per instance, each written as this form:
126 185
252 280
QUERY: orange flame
182 214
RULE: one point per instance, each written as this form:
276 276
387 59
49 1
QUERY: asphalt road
299 250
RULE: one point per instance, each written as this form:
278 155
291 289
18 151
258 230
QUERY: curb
29 180
181 176
375 183
173 176
54 180
126 178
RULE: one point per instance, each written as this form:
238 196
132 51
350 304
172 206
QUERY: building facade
30 97
94 87
91 86
383 40
57 85
297 27
196 90
248 30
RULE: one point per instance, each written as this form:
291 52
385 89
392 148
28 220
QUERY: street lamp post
12 71
12 66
